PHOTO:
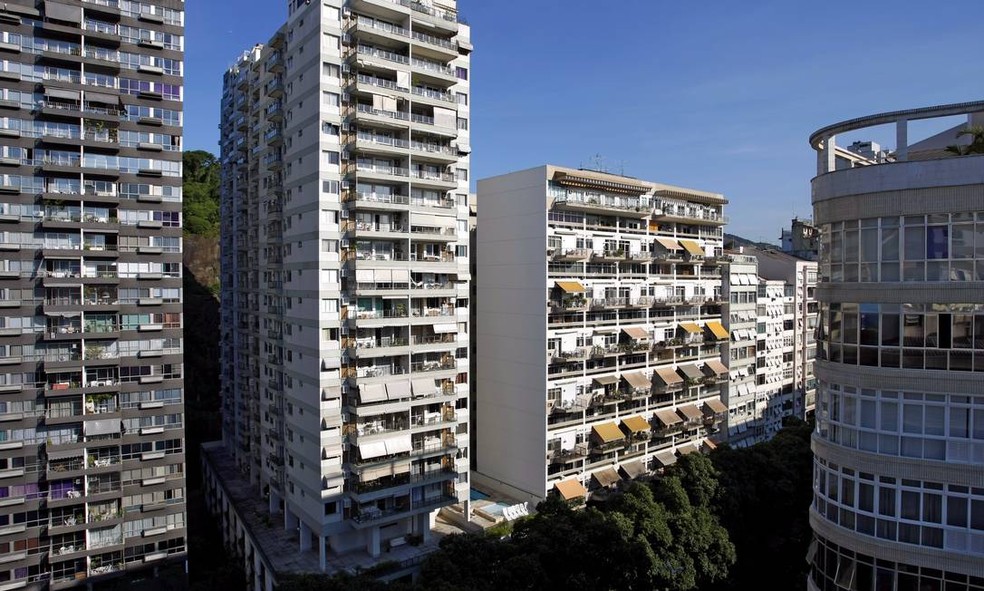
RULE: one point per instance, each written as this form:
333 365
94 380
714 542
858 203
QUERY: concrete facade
92 482
345 162
899 446
600 313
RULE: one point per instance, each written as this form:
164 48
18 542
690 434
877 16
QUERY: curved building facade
899 446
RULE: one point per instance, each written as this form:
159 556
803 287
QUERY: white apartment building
740 317
600 313
345 284
771 315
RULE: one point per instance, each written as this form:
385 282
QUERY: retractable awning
691 327
686 450
99 97
637 333
570 489
692 247
668 417
714 367
606 380
423 387
633 469
715 406
689 412
102 427
60 93
570 286
606 477
689 370
398 445
64 454
637 379
719 331
445 328
398 390
607 432
668 243
665 458
372 449
668 376
364 276
372 393
636 424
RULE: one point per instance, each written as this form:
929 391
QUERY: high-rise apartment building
91 391
345 282
771 315
899 446
599 303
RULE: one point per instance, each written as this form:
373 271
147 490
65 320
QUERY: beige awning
668 417
714 367
423 387
638 380
372 393
691 327
637 333
636 424
689 412
570 286
665 458
633 469
719 331
715 406
570 489
668 243
689 370
606 477
686 450
606 380
692 247
710 445
608 432
668 376
398 390
372 449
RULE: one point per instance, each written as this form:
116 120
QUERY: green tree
764 498
976 145
201 177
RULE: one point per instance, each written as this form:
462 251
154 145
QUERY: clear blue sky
719 95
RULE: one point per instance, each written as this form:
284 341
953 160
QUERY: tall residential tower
599 302
899 445
345 282
91 391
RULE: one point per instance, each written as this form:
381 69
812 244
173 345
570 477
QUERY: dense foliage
736 519
201 193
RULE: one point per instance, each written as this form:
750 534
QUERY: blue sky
719 95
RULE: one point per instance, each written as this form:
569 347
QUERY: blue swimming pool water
477 495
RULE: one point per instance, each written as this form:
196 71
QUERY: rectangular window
461 73
332 99
462 123
461 174
462 98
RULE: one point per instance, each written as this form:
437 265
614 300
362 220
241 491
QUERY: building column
256 570
902 139
274 505
827 156
373 546
322 553
423 526
290 520
305 544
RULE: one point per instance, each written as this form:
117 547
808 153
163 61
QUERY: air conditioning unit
346 68
346 155
346 97
344 214
346 13
346 38
345 243
346 185
344 331
343 272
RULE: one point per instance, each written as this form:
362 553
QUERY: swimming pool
477 495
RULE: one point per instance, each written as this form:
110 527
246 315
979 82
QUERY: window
329 245
329 157
461 174
332 99
462 123
330 70
461 251
462 98
329 129
461 73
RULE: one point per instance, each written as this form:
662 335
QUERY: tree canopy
201 171
736 519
